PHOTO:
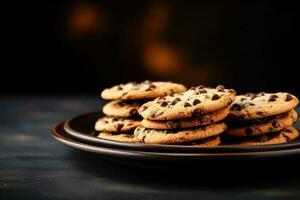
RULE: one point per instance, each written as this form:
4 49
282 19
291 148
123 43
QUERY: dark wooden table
34 166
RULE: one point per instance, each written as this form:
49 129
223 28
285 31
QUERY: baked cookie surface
120 137
207 119
280 137
154 136
263 125
121 108
194 102
143 90
116 124
255 106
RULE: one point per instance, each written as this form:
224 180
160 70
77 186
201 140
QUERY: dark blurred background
84 46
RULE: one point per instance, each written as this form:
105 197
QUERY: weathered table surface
34 166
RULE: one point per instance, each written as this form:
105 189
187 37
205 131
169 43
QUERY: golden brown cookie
207 119
197 101
143 90
116 124
262 126
256 106
279 137
154 136
121 108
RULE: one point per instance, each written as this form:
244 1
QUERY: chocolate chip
173 124
198 112
186 104
119 87
159 114
288 130
288 97
114 119
260 113
119 126
152 114
236 107
251 104
248 131
121 103
243 99
273 98
133 112
164 104
220 88
253 96
276 124
143 108
262 93
143 138
175 101
215 97
151 87
125 93
196 101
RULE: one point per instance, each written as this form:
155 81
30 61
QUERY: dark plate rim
167 148
134 154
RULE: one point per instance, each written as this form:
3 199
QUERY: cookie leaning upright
143 90
264 114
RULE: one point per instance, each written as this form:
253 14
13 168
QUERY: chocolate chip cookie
256 106
203 120
143 90
283 136
196 101
154 136
121 108
116 124
262 126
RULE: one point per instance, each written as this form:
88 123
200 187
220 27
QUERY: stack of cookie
264 118
191 117
121 113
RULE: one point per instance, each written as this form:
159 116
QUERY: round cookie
143 90
255 106
194 102
120 137
203 120
264 125
280 137
153 136
120 108
116 124
207 142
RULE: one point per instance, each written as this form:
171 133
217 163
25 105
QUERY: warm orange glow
85 18
161 59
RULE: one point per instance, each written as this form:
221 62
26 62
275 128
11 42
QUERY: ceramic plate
82 128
